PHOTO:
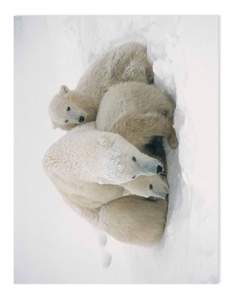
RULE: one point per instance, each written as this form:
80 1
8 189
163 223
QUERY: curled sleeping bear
130 219
138 112
128 62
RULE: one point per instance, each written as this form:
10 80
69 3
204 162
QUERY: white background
179 292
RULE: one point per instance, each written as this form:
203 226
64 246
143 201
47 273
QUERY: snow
52 243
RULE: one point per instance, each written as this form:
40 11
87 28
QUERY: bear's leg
133 219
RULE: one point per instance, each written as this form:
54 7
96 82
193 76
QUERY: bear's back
131 98
110 69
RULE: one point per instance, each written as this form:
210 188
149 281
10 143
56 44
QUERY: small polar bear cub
98 157
93 195
128 62
148 187
64 112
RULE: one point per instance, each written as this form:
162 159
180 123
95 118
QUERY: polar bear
128 62
94 195
98 157
148 187
130 219
133 219
138 112
100 198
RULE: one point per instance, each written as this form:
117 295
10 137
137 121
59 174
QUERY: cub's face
64 112
148 186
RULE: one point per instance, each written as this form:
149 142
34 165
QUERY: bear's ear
63 90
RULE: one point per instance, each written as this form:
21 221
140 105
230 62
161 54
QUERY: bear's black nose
81 119
159 169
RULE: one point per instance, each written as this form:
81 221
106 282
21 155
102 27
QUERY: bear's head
148 186
125 162
69 108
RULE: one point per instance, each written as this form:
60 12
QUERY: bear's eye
133 177
66 121
150 186
68 108
133 158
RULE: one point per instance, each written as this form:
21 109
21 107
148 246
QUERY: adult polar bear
87 162
131 218
128 62
99 157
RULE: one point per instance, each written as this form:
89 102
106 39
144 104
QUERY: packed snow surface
52 243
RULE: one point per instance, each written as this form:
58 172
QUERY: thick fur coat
98 157
130 219
75 163
104 175
128 62
138 112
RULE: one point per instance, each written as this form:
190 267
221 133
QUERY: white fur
67 164
128 62
138 112
93 195
134 219
131 219
92 170
148 186
97 157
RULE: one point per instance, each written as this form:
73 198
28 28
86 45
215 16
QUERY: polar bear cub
128 62
94 195
138 112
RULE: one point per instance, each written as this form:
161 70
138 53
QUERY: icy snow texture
52 243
